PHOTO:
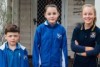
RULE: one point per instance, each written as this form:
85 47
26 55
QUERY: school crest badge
92 35
59 36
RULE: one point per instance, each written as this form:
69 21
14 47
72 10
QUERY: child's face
12 38
88 15
51 14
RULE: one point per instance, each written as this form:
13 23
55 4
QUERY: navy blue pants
80 61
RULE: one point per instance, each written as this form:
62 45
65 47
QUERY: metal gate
40 9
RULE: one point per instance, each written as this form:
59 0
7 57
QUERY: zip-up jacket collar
49 25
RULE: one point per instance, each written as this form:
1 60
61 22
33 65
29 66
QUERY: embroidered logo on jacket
59 36
25 57
92 35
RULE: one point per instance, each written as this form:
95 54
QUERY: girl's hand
98 55
88 48
76 42
82 54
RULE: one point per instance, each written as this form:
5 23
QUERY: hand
82 54
88 48
98 56
76 42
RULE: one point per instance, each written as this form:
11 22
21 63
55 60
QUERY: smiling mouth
88 19
51 19
12 41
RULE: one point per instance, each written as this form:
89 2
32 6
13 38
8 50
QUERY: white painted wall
97 6
89 1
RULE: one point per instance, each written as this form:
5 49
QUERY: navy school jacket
90 38
16 58
50 45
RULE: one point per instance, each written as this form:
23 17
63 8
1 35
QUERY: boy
12 53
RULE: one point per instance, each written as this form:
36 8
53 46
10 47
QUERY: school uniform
50 46
90 38
16 58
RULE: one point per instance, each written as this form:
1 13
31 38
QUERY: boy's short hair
11 28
